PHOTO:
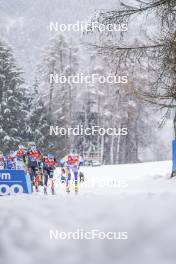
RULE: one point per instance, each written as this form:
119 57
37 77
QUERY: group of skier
41 167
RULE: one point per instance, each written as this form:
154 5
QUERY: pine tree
59 58
13 101
38 120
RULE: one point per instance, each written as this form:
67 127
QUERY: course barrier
14 182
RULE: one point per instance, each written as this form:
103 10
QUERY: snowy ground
137 199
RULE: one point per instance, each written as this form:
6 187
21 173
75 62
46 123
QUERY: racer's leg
75 172
51 174
45 174
36 181
68 178
32 175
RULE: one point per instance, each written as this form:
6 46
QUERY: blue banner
14 182
174 155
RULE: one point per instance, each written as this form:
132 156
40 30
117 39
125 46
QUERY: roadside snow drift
138 200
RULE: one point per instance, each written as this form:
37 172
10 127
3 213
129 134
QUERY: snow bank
142 209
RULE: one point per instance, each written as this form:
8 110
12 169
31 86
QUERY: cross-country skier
49 164
72 162
2 161
34 163
10 161
19 157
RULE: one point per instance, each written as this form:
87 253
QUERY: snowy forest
30 103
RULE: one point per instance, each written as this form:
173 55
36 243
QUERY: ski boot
68 188
76 188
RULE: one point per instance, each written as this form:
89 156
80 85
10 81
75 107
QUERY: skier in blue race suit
72 162
10 161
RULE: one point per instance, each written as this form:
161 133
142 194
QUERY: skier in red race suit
34 164
19 157
49 164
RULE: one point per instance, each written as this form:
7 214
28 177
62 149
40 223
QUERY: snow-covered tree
38 120
59 59
13 101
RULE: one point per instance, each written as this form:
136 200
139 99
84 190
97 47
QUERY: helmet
51 156
30 144
20 146
33 148
73 151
